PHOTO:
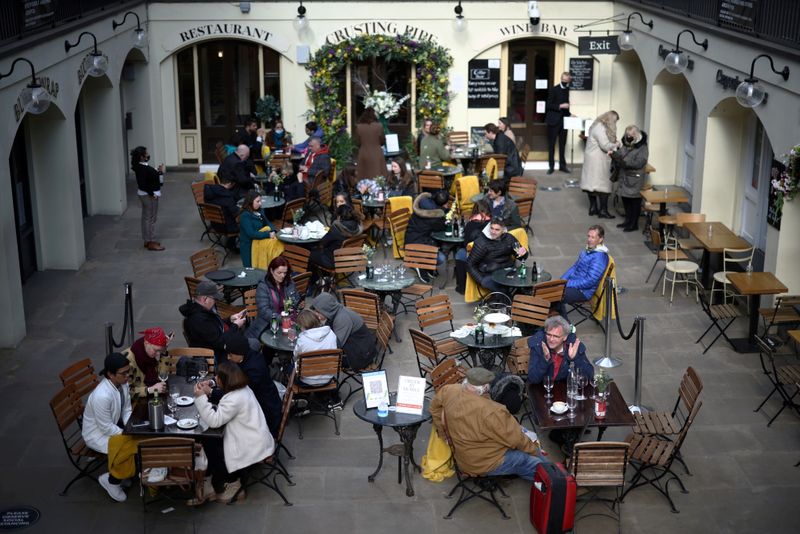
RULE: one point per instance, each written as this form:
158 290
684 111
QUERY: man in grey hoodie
352 336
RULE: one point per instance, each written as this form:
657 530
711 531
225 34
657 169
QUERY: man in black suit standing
557 108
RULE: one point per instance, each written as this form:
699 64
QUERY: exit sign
589 46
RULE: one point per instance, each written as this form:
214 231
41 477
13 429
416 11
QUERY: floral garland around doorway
787 182
432 63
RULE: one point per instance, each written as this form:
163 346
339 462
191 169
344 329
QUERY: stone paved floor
744 479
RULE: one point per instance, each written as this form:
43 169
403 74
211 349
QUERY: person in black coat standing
502 144
148 182
556 109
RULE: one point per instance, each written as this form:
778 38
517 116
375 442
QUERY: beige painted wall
666 125
722 167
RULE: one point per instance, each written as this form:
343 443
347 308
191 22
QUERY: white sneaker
114 490
156 474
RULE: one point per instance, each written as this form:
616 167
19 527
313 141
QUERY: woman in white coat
246 439
601 140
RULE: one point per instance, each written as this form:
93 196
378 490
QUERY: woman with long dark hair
149 182
271 293
251 221
401 179
369 132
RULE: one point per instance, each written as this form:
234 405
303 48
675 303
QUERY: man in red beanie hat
145 357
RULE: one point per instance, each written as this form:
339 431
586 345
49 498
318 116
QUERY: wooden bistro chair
398 223
357 241
552 291
652 457
347 261
199 353
447 372
82 375
518 361
667 425
525 207
176 454
783 313
520 187
427 355
529 312
67 410
430 180
297 256
301 281
785 379
471 485
466 188
457 138
205 261
214 216
198 192
718 313
313 364
435 318
596 465
288 211
250 306
365 304
422 257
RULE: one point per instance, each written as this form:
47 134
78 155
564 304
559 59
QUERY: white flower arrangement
385 104
451 215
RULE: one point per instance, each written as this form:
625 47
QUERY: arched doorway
529 62
23 214
219 82
673 131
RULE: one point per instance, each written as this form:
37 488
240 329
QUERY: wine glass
172 403
594 384
202 369
163 374
292 334
582 381
577 385
548 386
274 326
572 403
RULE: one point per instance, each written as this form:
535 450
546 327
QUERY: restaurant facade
204 66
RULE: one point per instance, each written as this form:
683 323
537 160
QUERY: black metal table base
404 452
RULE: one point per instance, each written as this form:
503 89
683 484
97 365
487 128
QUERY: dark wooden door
529 60
23 215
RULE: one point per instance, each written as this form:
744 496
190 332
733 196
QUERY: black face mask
627 140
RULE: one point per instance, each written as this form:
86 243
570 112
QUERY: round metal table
289 238
280 342
406 426
493 345
387 286
509 278
250 279
267 202
450 243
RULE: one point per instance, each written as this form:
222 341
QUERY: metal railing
22 18
777 21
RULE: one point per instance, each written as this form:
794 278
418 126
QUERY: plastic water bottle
383 408
749 268
427 162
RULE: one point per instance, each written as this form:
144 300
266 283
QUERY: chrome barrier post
637 407
109 328
129 310
607 361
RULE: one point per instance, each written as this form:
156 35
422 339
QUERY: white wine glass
274 326
202 369
163 374
548 386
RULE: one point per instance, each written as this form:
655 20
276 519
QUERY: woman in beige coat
601 140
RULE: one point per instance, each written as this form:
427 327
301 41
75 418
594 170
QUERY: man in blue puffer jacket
584 275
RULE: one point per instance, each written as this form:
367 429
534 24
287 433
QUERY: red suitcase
552 499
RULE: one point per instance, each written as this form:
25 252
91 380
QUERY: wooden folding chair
422 258
347 261
301 281
784 312
458 138
199 353
357 241
596 465
215 217
365 304
313 364
204 261
718 313
552 291
464 186
447 372
529 310
430 180
175 454
67 410
427 355
82 375
398 223
384 335
521 187
590 309
288 211
785 379
250 306
518 361
652 458
198 192
472 485
297 256
435 314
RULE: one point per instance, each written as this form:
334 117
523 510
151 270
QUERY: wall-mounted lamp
300 21
34 98
676 61
459 23
244 7
627 39
749 93
96 63
139 37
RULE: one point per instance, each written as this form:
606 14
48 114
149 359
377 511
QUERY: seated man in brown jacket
486 437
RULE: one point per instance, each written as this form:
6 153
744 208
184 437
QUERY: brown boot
147 244
154 246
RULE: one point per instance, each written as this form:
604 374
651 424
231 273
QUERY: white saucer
559 407
184 401
187 424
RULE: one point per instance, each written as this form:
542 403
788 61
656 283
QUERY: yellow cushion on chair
472 290
469 188
210 176
601 309
265 250
393 204
521 236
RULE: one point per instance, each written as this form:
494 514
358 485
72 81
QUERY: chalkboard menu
483 89
37 13
582 70
738 13
774 213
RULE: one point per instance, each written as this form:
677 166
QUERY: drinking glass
577 385
292 335
274 326
202 369
402 269
172 404
548 386
582 381
163 375
594 384
572 403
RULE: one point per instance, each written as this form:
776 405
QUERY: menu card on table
410 394
375 388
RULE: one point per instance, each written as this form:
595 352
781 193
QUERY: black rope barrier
127 323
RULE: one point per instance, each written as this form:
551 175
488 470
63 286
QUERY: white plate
286 231
187 424
184 401
558 407
497 318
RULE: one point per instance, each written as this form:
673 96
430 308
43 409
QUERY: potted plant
602 381
268 109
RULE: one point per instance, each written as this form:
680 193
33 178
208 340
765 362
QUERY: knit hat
479 376
156 336
113 363
237 344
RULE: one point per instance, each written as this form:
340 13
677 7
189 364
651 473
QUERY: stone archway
629 96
